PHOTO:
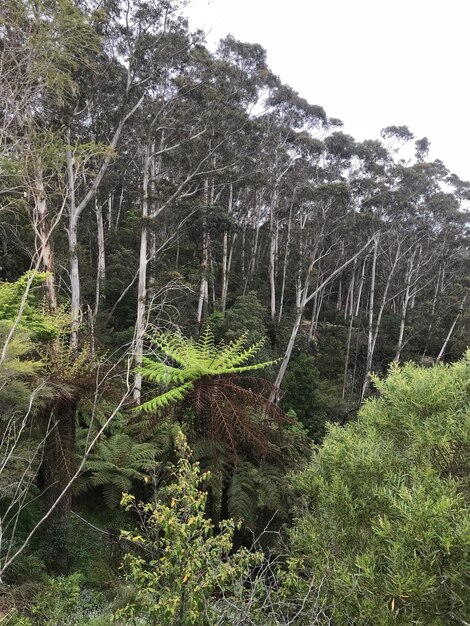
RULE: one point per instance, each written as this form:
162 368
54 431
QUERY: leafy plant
115 462
208 383
385 517
181 563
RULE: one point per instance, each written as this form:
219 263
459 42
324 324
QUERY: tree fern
243 494
210 380
194 360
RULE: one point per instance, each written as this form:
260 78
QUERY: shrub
180 563
386 518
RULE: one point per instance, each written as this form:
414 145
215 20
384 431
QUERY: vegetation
386 515
225 313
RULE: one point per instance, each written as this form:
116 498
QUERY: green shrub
386 520
180 564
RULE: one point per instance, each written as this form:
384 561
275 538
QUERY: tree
238 434
187 563
208 380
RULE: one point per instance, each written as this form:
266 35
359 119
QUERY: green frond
272 487
161 373
165 399
194 360
112 495
116 462
242 494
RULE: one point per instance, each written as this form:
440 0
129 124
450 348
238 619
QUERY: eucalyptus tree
288 119
43 44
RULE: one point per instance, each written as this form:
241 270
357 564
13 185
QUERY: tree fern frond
112 495
161 373
165 399
242 495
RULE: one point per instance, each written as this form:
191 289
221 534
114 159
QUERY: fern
243 494
194 360
206 380
114 465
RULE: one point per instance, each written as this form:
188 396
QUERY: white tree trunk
370 335
451 330
284 269
404 308
140 324
43 235
101 265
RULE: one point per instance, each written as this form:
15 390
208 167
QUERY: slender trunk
101 265
404 308
290 346
118 216
212 275
451 330
370 335
204 286
110 211
140 323
272 269
223 295
339 301
349 306
43 235
316 308
226 257
243 254
230 260
361 286
346 360
284 269
254 253
75 313
73 252
272 251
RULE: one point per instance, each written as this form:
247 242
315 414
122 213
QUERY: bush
180 564
386 519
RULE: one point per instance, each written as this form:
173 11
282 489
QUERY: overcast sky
372 63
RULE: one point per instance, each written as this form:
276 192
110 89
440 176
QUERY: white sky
372 63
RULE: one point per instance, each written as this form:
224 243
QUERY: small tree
186 564
211 381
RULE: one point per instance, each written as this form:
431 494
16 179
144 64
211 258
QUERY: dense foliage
386 516
191 250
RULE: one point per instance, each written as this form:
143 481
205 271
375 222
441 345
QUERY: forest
234 365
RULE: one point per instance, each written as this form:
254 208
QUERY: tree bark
43 235
140 323
370 336
57 469
101 264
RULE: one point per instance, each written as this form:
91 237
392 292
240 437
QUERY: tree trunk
370 335
203 301
43 235
284 269
272 253
404 308
101 265
451 330
57 469
140 323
